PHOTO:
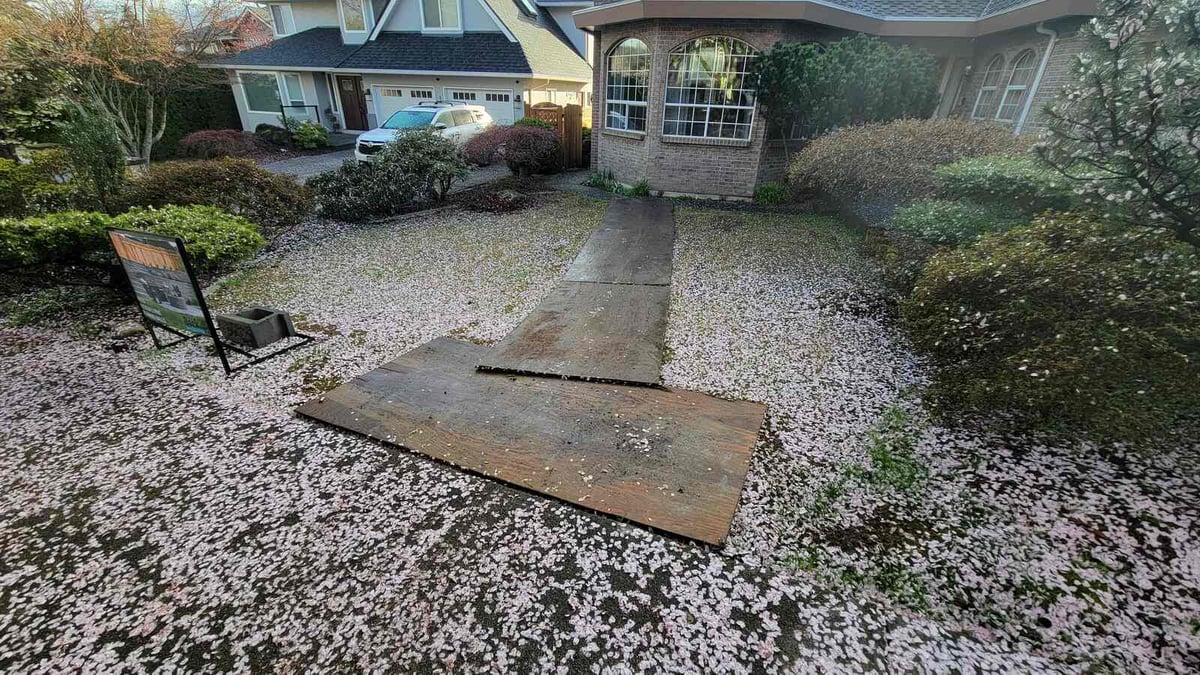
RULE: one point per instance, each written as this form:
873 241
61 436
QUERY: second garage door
498 102
391 99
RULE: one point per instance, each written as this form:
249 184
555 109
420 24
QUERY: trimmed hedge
214 239
530 149
484 148
355 192
1016 183
536 123
1070 324
39 186
894 162
238 186
953 223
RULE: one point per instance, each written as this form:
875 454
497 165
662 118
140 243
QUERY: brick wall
1009 45
691 166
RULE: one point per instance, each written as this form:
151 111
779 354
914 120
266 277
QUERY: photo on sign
167 294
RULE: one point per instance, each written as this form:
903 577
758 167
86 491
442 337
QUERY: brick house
672 105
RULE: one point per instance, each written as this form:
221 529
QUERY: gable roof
537 48
313 48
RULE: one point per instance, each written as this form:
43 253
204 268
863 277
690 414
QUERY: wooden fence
568 123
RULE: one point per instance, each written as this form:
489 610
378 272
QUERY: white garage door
498 102
390 99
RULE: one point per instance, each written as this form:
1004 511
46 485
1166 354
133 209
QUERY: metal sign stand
218 344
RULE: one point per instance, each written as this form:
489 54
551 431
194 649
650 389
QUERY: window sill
620 133
692 140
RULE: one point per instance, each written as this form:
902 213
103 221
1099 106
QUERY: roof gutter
1037 79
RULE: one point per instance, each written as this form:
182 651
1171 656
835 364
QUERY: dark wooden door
354 104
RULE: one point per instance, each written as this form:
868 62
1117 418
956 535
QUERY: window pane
277 18
449 13
440 13
262 91
295 93
627 86
708 93
352 14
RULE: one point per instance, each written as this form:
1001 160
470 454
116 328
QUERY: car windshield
409 119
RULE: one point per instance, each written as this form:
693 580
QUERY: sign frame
222 348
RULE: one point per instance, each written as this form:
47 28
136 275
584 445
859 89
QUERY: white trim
441 30
285 95
492 13
994 88
383 19
368 13
383 71
291 18
1037 79
820 3
1011 88
662 126
331 83
280 88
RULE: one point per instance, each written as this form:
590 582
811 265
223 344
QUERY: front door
354 103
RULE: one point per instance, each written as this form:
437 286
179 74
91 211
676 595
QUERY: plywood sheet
634 245
589 331
672 460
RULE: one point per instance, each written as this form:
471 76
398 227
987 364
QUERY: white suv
457 121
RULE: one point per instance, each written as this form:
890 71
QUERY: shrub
427 156
39 186
1070 323
356 192
65 237
901 257
96 154
894 162
953 223
214 143
603 180
214 239
535 123
1020 183
638 189
273 134
771 194
529 150
310 136
484 148
238 186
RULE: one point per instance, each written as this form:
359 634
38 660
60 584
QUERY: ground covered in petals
155 515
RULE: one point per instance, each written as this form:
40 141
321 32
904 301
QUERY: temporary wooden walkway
673 460
608 319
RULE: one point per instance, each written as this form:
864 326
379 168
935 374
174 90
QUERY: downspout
1037 79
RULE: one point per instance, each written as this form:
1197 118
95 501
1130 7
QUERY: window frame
426 28
367 15
626 103
985 88
246 97
709 107
285 12
1020 89
285 91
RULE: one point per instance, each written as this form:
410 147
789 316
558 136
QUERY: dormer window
441 15
282 21
354 16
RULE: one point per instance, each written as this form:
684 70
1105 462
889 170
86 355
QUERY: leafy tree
854 80
96 154
31 85
1127 130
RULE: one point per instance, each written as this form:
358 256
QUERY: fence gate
568 123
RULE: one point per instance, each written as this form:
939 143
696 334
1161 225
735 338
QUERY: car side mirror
439 126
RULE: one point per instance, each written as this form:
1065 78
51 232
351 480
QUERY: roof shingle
472 52
313 48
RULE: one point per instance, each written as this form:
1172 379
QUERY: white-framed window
423 94
462 96
987 89
390 91
709 90
333 98
497 97
627 86
261 91
354 15
282 21
441 15
267 92
1018 87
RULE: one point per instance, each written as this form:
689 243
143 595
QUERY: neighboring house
350 64
250 28
673 104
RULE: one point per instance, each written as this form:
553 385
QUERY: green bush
425 153
310 136
39 186
97 156
355 191
66 238
1020 183
901 257
894 162
214 239
530 149
1069 323
535 123
953 223
237 186
209 105
638 189
771 194
273 134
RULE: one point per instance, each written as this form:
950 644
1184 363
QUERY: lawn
155 513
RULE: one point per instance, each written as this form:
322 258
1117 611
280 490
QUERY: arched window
709 92
987 91
627 85
1018 87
